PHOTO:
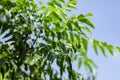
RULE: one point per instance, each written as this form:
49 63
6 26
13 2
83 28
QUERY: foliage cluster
35 38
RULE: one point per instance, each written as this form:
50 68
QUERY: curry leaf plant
36 38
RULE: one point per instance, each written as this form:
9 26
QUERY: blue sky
106 20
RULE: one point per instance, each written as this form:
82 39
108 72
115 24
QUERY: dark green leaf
2 61
2 71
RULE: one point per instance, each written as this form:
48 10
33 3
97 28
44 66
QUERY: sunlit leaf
0 76
101 47
89 14
108 47
94 44
85 20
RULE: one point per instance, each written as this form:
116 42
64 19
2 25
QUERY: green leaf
117 48
72 38
71 5
94 44
77 26
85 20
89 67
40 2
63 16
108 47
85 43
57 3
75 57
1 76
91 62
87 29
21 1
1 6
4 54
69 62
85 65
15 9
73 2
7 35
102 48
57 15
89 14
14 66
69 25
62 1
79 62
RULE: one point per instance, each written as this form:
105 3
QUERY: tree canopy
37 37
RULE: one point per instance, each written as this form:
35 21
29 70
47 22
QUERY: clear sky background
107 22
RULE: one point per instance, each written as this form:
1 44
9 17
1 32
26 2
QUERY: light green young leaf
102 48
1 76
87 29
21 1
73 2
85 20
117 48
108 47
15 9
94 44
89 14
